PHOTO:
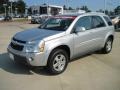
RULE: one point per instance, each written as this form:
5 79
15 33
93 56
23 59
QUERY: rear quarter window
108 20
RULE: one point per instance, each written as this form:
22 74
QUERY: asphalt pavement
91 72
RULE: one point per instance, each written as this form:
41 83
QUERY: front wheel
108 46
58 61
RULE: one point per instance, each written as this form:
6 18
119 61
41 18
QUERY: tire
108 46
57 62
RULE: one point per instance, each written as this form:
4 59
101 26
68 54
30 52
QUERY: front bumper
33 59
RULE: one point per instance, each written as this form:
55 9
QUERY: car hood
35 34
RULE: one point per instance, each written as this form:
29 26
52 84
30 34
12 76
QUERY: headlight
35 47
42 46
30 48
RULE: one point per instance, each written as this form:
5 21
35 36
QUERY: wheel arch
50 61
111 36
108 36
63 47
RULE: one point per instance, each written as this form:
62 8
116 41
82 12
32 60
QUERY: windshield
57 23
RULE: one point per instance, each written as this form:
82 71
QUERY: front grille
19 41
16 46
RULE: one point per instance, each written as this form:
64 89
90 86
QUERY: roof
74 11
70 15
78 14
55 6
95 13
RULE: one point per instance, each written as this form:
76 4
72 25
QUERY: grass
21 20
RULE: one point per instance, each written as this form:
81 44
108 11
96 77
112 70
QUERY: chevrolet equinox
62 38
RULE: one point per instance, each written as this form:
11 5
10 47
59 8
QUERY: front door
83 41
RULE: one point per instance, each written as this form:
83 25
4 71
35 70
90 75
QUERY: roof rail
96 13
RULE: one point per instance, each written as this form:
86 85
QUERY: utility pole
5 9
16 9
11 7
9 10
105 5
67 4
26 11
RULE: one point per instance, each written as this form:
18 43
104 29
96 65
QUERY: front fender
50 49
52 44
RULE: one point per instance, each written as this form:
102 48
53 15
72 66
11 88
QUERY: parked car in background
116 21
62 38
18 16
2 18
8 18
35 19
39 19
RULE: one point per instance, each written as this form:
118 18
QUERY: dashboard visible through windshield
57 23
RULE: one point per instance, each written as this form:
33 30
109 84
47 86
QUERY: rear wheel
108 46
58 61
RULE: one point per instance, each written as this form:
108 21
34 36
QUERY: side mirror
80 29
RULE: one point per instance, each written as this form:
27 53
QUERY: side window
108 20
84 22
97 22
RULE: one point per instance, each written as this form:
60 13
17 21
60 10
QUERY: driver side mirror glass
80 29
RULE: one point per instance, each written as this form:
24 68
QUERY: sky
93 5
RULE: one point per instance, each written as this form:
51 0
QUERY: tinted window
108 21
97 22
84 22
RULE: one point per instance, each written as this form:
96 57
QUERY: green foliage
64 7
30 11
70 8
117 10
85 8
1 5
3 2
20 4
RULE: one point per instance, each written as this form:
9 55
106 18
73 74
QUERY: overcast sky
92 4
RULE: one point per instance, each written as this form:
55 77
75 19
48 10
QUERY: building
47 9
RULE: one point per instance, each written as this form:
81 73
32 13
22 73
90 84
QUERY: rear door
98 31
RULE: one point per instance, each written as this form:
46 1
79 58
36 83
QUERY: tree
3 2
44 4
100 10
106 12
30 10
117 10
1 5
85 8
64 7
77 8
70 8
21 6
111 13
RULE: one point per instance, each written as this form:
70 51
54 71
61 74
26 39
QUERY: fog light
30 59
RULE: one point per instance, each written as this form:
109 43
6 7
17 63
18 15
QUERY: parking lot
91 72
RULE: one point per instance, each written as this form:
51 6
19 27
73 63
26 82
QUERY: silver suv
62 38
